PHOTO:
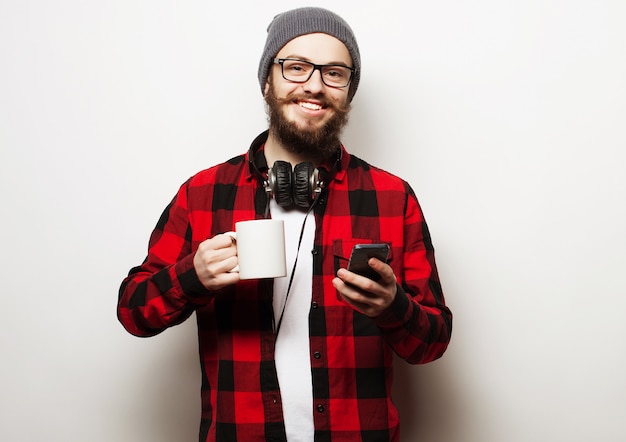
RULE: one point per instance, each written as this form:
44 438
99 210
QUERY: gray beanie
291 24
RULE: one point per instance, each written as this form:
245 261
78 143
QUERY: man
307 357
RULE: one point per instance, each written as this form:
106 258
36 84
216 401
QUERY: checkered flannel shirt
351 354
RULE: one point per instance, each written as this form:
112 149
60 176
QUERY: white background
507 117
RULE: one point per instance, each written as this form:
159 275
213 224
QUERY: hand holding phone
361 253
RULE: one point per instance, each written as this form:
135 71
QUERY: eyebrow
302 58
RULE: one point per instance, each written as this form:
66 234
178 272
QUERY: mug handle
233 236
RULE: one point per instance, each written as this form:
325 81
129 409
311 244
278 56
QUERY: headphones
300 186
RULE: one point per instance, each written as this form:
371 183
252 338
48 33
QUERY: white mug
260 249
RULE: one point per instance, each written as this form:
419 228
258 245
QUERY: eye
296 67
336 72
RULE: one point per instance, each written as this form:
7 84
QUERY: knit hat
291 24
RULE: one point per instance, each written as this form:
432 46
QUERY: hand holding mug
256 250
214 260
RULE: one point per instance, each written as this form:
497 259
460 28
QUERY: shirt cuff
188 284
395 315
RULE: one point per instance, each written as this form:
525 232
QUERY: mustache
323 100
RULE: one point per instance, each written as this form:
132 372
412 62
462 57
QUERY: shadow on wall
159 396
425 397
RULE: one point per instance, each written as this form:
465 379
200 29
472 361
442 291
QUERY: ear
268 82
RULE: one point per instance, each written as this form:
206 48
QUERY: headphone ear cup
282 183
303 185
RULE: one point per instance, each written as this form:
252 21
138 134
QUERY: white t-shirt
293 363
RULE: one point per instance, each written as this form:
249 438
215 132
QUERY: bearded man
309 356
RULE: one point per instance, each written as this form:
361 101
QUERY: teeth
310 106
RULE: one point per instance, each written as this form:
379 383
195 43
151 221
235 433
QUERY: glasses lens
338 76
296 70
300 71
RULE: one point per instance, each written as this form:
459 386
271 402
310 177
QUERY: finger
223 240
387 276
232 264
355 299
380 267
222 280
363 283
228 278
353 294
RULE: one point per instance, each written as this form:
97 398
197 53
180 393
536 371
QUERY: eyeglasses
300 71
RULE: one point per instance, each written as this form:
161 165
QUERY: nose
314 84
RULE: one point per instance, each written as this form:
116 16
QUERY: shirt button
320 408
314 252
314 304
317 355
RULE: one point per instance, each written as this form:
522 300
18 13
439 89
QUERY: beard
321 142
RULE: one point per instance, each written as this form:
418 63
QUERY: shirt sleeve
164 290
418 324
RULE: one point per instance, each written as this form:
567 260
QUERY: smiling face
308 117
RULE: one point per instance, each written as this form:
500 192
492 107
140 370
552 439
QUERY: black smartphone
361 253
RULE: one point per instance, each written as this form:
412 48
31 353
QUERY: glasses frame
316 67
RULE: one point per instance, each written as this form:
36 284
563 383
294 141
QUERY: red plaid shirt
351 354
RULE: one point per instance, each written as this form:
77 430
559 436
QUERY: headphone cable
293 270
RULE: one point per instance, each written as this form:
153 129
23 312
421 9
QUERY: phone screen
361 253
